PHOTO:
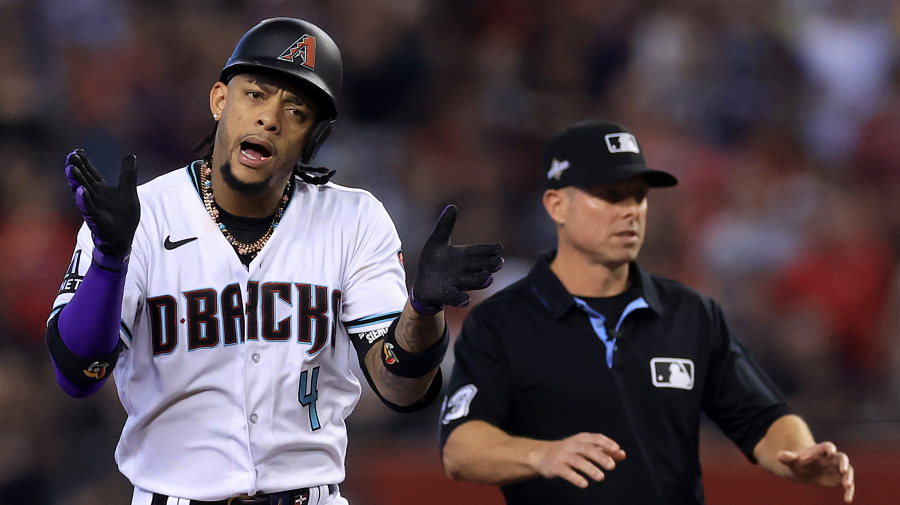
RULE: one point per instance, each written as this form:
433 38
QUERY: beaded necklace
209 203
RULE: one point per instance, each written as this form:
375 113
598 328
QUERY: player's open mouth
255 152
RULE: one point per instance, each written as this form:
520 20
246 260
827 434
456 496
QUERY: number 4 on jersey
309 399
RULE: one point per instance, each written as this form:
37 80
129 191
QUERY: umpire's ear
556 202
217 97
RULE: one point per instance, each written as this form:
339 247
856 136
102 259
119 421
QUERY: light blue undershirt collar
598 320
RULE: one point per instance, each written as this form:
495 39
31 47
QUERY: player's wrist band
412 365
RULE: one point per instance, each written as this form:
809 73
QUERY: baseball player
231 295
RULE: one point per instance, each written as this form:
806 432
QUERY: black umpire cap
591 153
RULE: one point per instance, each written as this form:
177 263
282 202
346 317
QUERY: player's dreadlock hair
209 140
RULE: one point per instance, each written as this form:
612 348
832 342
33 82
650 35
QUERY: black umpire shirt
533 361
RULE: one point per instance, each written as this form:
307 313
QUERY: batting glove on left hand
111 213
445 271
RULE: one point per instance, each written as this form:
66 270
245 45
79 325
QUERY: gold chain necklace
209 203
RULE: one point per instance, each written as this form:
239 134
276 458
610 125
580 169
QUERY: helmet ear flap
317 136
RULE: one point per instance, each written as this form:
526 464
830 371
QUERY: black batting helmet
301 53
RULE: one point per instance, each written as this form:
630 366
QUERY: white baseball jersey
239 380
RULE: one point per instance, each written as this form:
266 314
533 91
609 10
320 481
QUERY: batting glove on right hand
445 270
112 214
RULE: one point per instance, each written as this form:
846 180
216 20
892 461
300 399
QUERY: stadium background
780 117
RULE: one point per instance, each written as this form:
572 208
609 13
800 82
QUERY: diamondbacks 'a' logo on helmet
302 51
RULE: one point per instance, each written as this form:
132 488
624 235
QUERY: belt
293 497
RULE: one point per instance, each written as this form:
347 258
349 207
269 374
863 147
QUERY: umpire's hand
823 465
577 458
111 213
445 271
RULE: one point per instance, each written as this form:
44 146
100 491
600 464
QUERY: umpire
584 382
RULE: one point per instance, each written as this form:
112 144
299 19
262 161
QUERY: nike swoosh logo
169 245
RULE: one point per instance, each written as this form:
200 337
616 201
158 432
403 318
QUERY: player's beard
241 187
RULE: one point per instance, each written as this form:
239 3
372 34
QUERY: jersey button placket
256 358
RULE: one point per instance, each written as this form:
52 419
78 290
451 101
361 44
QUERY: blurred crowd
781 119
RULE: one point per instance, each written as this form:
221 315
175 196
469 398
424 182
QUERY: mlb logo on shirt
672 373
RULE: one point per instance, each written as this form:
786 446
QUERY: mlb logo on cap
622 143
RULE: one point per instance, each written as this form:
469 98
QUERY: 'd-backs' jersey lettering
213 319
